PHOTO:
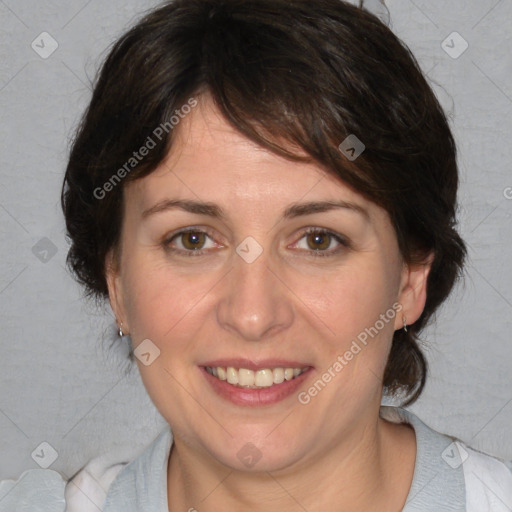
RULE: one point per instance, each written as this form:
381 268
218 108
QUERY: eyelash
344 243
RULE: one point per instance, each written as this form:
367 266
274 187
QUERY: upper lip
255 365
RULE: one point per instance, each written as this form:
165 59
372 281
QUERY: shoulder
38 490
87 490
450 475
45 490
488 480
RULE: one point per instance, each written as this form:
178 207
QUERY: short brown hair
306 73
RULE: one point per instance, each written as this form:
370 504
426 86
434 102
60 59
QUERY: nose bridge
253 303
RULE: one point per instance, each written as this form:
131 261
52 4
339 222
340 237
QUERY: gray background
59 380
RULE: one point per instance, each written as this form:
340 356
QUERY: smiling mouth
259 379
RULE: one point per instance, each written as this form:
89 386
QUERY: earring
120 332
405 324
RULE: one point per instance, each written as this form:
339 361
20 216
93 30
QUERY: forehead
211 161
207 145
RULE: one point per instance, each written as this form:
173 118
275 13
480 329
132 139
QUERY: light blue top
439 484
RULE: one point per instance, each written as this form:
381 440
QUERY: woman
266 193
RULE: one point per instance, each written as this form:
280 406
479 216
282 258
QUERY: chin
255 452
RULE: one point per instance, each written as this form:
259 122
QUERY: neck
367 469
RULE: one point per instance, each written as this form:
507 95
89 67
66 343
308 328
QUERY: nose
255 302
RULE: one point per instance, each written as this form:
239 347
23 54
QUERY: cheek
351 305
165 307
350 300
159 302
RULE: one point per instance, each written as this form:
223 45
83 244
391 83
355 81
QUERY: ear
115 288
413 291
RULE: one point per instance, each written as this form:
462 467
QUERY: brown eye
319 241
322 242
192 240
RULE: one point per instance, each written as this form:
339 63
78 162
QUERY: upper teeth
254 379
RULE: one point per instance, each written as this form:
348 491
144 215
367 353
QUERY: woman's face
267 279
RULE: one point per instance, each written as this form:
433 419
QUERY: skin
335 453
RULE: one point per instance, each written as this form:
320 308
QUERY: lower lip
250 396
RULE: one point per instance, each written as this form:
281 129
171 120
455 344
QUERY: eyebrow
215 211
